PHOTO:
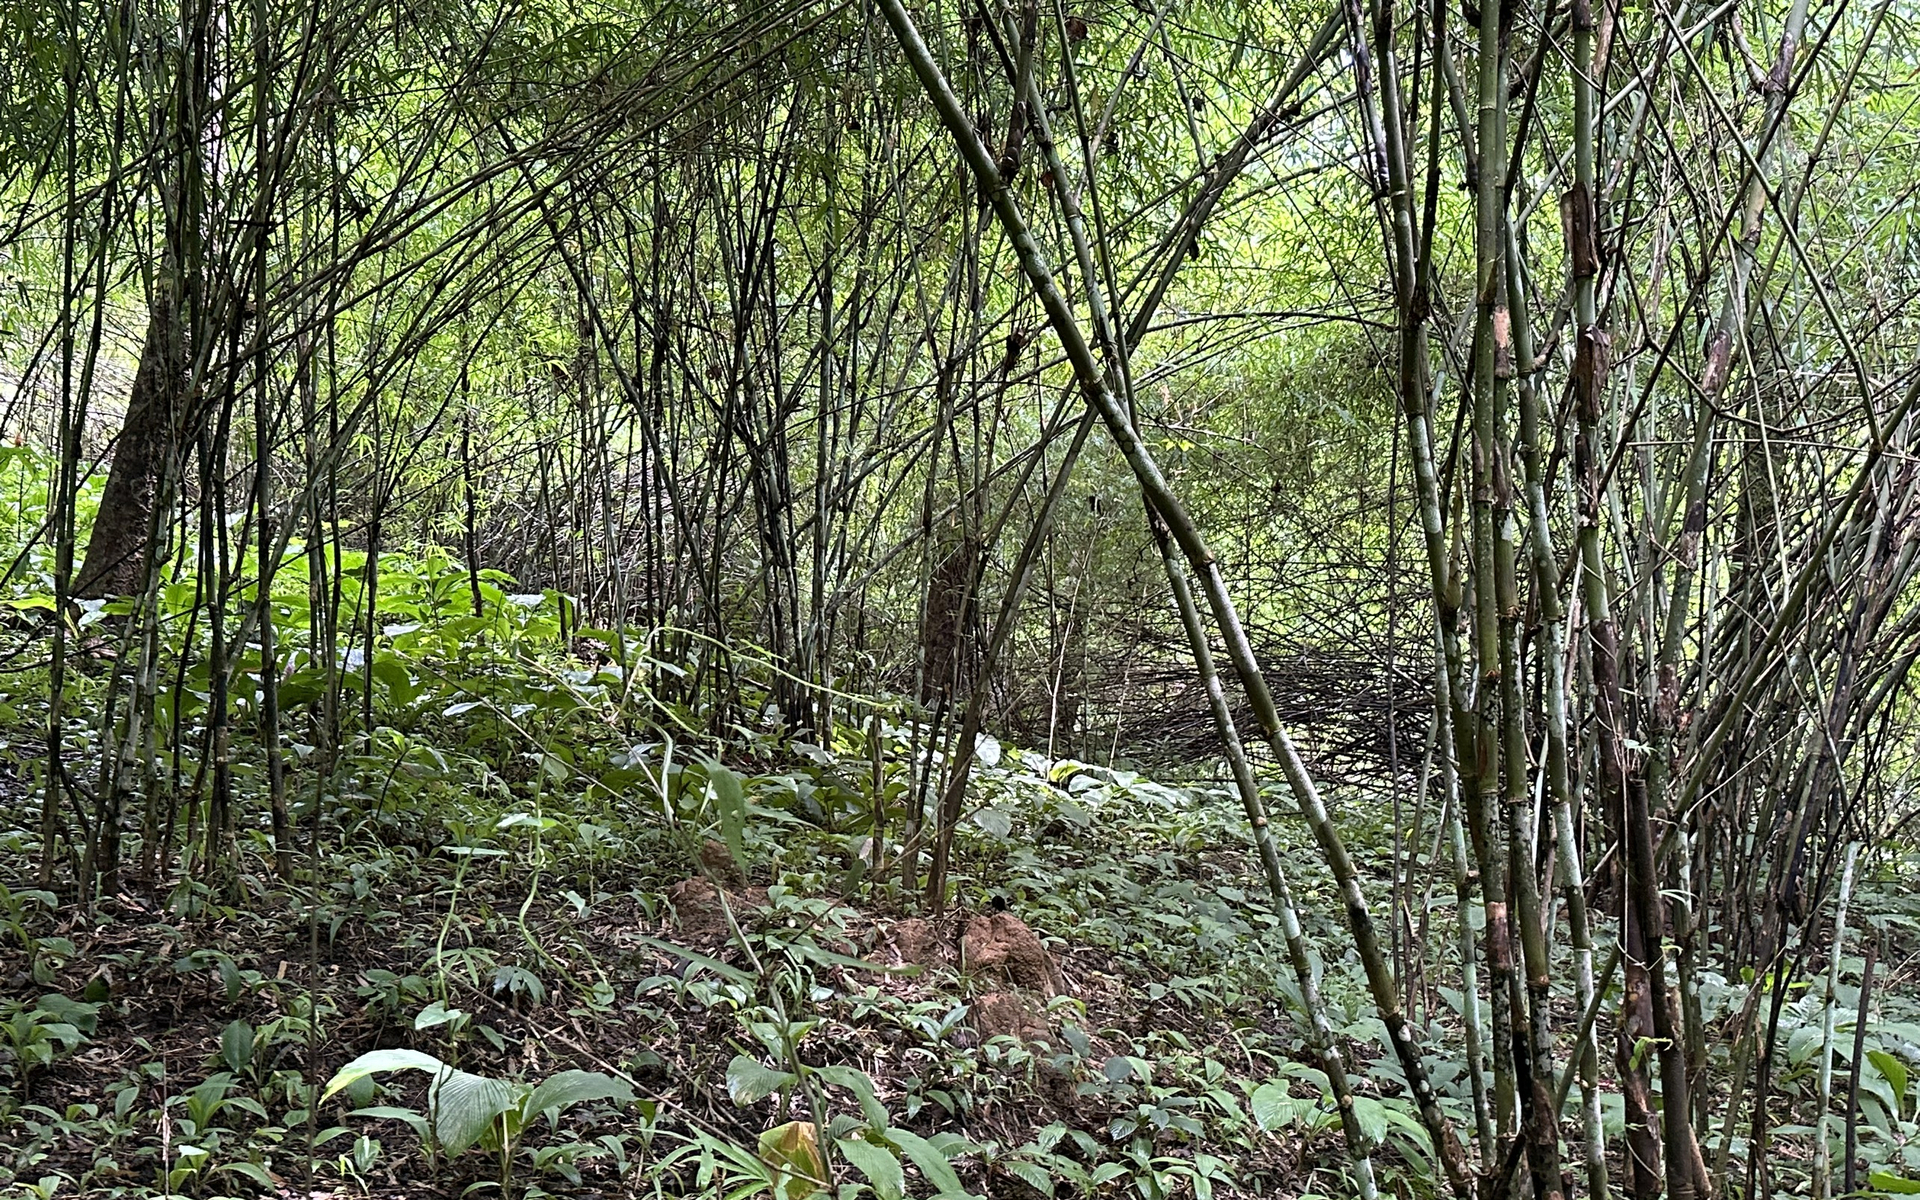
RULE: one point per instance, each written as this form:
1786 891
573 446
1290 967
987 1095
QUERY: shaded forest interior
993 598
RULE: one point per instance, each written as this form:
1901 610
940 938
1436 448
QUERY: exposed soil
700 910
1000 948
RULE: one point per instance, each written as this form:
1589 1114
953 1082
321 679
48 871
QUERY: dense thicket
1513 403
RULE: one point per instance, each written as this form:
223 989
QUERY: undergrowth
482 974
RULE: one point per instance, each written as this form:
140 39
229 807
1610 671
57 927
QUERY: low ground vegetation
541 938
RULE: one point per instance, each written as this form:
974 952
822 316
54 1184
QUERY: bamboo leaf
932 1162
793 1151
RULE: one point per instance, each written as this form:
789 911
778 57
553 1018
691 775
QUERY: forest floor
522 951
1101 1010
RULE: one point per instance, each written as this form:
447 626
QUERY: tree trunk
116 549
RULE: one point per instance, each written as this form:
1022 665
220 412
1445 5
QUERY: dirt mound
917 942
1010 1014
699 918
718 863
1000 946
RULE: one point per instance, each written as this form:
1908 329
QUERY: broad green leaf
1613 1114
932 1163
722 969
987 749
390 671
1126 1066
861 1085
375 1061
1802 1043
1877 1109
253 1171
569 1088
464 1107
1372 1116
730 797
82 1016
1274 1108
1893 1071
878 1164
388 1112
1887 1181
236 1045
1406 1123
749 1082
436 1014
994 821
206 1098
827 958
302 687
1030 1174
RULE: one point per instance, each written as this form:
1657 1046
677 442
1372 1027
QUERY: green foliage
464 1109
36 1035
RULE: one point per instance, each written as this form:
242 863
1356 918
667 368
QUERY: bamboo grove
853 349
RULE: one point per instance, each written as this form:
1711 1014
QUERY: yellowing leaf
793 1151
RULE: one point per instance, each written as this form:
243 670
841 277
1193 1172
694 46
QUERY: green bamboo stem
1580 218
1320 1032
1456 727
1473 1035
1495 596
1033 110
1536 957
1547 582
952 796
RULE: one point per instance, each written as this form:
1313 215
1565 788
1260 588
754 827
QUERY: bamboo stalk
1848 1179
1822 1149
